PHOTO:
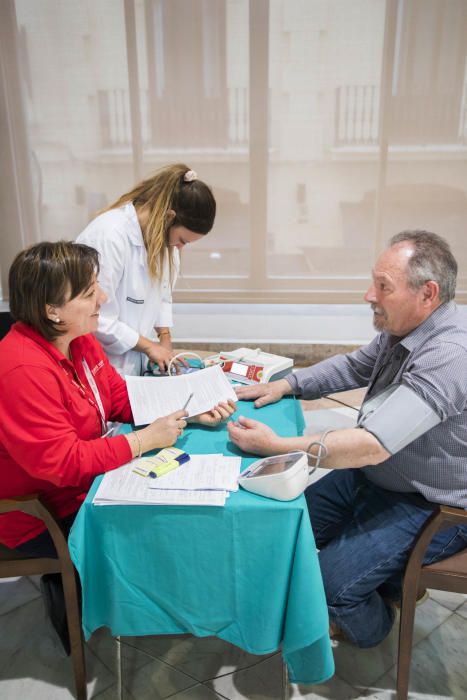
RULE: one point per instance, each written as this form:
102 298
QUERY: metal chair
447 575
13 563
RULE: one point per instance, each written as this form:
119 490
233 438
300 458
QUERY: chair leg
75 630
404 656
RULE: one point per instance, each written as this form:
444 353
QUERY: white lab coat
136 304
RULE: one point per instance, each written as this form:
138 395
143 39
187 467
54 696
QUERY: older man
409 450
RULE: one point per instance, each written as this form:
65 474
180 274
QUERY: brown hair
46 273
193 203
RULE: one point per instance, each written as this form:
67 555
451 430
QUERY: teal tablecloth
247 573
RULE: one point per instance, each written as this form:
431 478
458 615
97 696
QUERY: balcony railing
411 120
356 115
223 124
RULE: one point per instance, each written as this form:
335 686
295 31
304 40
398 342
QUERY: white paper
154 397
123 487
212 472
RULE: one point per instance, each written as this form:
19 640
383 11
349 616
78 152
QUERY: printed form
154 397
205 472
207 483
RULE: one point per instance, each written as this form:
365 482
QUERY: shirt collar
45 344
419 334
135 234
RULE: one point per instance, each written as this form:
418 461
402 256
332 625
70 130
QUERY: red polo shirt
50 425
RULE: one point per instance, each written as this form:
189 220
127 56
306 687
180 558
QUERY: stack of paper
153 397
206 480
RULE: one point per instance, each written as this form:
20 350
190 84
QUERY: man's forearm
351 447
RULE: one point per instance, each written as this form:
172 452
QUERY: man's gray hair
432 259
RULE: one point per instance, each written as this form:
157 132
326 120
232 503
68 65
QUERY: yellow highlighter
164 462
163 469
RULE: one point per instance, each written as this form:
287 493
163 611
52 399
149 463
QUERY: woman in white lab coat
139 237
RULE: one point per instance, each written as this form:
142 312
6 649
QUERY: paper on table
153 397
202 472
171 498
122 486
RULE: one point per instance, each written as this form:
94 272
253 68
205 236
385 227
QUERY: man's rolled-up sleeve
339 373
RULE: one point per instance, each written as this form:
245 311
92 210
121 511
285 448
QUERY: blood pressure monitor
249 366
283 477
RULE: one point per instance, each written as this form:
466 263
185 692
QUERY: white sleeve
115 336
165 316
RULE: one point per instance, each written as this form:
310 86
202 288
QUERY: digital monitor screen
239 369
275 465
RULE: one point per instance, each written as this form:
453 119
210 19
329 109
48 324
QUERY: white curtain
324 126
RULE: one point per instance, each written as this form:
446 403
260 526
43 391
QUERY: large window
323 127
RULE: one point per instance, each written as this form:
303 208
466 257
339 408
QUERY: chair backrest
447 575
14 563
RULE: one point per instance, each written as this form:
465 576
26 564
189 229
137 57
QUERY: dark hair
49 273
432 259
170 189
194 206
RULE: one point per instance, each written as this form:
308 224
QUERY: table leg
119 669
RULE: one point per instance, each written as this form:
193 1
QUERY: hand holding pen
163 432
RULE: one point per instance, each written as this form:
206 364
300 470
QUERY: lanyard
82 390
97 396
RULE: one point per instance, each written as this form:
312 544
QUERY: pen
187 401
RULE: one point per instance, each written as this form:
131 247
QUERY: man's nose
370 294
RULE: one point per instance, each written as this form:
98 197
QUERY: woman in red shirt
58 390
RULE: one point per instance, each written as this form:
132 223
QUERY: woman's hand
158 355
162 432
216 415
254 437
264 393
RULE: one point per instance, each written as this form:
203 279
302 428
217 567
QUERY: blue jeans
365 535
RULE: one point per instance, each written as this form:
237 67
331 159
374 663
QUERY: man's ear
170 216
430 292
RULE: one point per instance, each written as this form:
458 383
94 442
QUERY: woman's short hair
432 260
49 273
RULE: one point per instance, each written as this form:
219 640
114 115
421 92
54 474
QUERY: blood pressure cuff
396 416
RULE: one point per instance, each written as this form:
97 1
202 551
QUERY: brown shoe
336 633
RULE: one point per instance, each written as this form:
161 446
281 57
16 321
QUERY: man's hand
216 415
254 437
264 393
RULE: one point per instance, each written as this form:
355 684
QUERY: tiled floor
33 667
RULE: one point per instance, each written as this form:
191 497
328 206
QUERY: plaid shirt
432 361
